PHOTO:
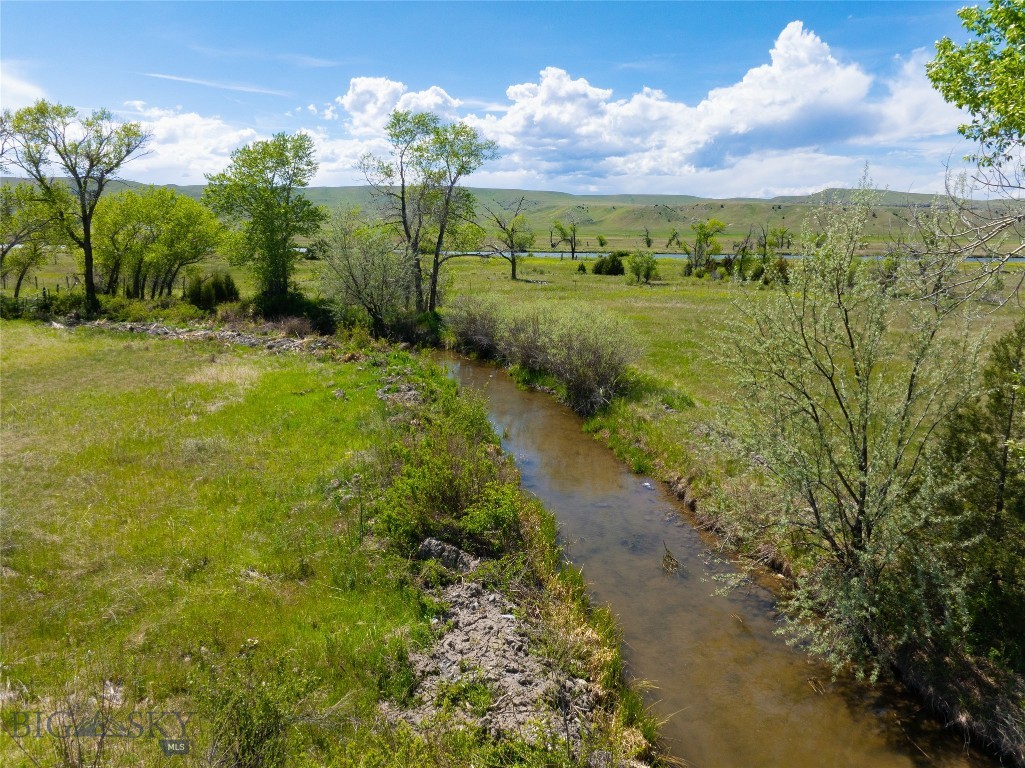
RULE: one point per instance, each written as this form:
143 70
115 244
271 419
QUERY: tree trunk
21 276
513 262
91 302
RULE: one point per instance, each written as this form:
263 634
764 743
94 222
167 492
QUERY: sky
717 99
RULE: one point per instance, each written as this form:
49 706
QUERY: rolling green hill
623 219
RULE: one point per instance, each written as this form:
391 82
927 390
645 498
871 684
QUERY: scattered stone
448 555
399 392
529 697
309 344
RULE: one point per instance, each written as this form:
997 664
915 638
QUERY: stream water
731 691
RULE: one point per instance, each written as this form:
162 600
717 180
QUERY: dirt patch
482 671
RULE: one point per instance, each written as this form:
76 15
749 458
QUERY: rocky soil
481 669
273 342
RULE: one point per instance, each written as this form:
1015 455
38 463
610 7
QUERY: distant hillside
623 219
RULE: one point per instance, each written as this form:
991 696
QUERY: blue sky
711 98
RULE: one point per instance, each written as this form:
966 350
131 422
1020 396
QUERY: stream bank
733 693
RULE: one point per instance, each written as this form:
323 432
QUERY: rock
446 554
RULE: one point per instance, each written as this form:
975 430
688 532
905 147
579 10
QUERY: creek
731 691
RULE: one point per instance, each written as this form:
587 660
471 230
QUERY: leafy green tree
602 241
849 375
418 187
741 250
979 447
87 152
568 234
642 267
511 233
22 218
706 243
260 196
146 239
27 233
985 76
648 240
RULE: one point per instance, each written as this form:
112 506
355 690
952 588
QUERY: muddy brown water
731 691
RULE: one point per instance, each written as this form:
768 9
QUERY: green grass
678 321
165 503
181 525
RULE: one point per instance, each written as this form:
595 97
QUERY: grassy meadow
168 505
191 528
678 322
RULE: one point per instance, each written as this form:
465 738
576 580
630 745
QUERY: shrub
167 309
642 267
235 312
779 271
611 264
207 291
582 269
757 272
476 324
296 304
584 349
589 355
492 522
527 339
445 473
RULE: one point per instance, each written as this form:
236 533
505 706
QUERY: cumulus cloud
371 100
184 145
913 109
803 120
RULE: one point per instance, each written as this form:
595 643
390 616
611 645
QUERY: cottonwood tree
568 234
87 152
511 233
28 234
984 76
22 218
418 189
849 372
260 197
706 243
145 240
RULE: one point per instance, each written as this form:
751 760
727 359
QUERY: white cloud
801 121
184 145
914 109
15 91
369 101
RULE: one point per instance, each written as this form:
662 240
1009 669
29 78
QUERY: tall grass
583 348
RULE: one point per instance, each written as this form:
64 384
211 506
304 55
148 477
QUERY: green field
184 531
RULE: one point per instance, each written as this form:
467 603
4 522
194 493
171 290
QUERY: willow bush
586 350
